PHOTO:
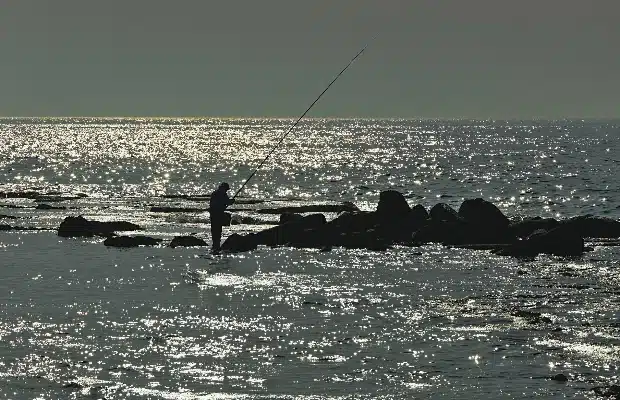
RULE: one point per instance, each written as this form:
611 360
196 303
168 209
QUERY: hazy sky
432 58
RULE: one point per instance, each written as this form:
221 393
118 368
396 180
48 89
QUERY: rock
593 227
131 241
314 208
479 211
560 241
44 206
289 217
81 227
299 231
236 243
559 378
7 216
525 228
187 241
443 212
392 204
444 232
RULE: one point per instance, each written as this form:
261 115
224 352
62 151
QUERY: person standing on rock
217 207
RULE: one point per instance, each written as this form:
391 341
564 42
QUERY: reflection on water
78 320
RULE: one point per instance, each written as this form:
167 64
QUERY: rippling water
79 320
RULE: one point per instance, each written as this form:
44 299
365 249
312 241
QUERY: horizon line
531 118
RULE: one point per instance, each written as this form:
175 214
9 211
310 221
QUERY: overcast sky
474 58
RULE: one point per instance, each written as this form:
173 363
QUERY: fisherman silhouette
217 207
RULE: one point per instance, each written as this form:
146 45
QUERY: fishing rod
301 117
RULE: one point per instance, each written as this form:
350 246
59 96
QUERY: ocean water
79 320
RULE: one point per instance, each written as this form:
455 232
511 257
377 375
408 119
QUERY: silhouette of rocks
479 210
595 227
81 227
187 241
478 224
560 241
44 206
526 227
559 378
392 204
131 241
289 217
236 243
443 212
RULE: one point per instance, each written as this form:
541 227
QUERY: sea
79 320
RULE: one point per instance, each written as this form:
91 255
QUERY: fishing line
301 117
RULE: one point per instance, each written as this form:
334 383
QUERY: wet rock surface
187 241
131 241
81 227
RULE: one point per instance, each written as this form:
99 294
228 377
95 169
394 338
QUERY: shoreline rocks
478 224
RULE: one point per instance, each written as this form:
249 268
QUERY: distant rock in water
313 208
131 241
81 227
44 206
187 241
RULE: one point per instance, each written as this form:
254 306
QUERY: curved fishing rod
301 117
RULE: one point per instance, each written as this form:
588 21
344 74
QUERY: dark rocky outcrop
392 204
236 243
3 216
560 241
477 211
443 212
289 217
81 227
593 227
526 227
187 241
131 241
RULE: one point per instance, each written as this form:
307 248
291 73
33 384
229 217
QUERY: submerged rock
313 208
44 206
131 241
81 227
560 241
187 241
